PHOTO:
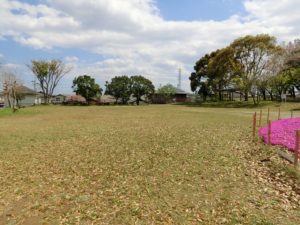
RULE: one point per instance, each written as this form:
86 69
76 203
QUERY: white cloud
71 59
132 35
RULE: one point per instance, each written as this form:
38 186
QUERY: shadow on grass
228 104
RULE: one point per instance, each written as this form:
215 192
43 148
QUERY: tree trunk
253 97
45 98
271 95
293 93
246 96
264 95
8 100
220 95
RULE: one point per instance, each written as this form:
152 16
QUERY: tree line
122 88
255 66
49 73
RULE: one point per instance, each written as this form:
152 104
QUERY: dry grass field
166 164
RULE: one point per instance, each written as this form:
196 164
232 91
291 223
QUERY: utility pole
36 101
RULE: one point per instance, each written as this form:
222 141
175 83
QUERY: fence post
269 132
268 115
260 115
297 148
279 113
254 125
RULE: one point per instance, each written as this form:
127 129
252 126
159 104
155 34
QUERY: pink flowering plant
283 132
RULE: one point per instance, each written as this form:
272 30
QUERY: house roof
107 99
75 98
25 90
180 91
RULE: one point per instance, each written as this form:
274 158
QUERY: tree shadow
226 104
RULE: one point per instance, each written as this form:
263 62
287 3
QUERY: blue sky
190 10
105 38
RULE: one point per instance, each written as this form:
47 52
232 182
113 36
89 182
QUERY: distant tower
179 78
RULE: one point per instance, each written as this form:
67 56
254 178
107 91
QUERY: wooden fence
295 159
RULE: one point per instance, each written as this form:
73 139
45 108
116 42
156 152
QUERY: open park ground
164 164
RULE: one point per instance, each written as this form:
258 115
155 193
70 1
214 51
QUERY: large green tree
86 86
221 71
141 86
48 75
252 54
119 87
213 72
201 71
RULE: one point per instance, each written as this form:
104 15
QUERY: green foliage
251 54
167 90
201 71
86 86
119 87
239 66
140 86
48 74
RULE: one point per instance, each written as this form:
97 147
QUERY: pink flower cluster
283 132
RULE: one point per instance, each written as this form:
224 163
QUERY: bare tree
10 85
48 74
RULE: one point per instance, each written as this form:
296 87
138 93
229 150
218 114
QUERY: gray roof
25 90
180 91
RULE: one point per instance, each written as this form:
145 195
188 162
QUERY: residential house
58 99
1 101
181 95
27 97
74 100
107 100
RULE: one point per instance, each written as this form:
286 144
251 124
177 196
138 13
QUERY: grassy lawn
169 164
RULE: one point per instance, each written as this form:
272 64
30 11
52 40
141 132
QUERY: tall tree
48 74
221 70
201 71
292 62
252 54
167 90
86 86
119 87
140 86
199 79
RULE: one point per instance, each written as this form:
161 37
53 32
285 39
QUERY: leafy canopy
119 87
141 86
48 74
167 90
86 86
